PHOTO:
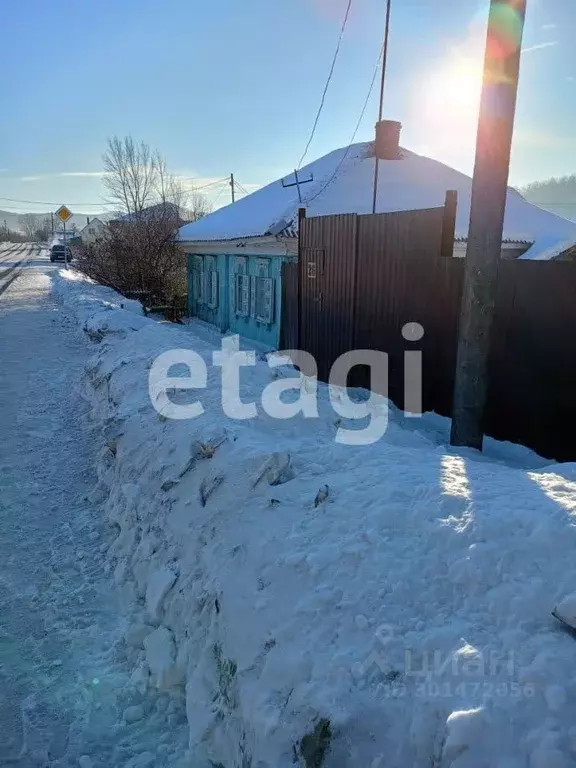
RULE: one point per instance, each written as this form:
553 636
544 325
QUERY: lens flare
504 30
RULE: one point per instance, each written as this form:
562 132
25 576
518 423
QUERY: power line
220 193
204 186
328 81
241 188
44 202
362 113
84 205
19 209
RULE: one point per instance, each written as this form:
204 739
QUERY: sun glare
447 100
454 89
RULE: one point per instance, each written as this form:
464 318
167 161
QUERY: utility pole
52 222
381 109
488 205
65 247
233 187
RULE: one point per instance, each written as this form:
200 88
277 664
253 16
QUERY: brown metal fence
362 278
532 367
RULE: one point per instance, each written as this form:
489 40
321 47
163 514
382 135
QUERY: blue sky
225 86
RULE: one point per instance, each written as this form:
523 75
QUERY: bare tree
198 206
11 236
131 174
139 253
29 224
44 230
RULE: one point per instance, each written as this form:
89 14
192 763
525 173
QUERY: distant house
235 254
93 231
164 211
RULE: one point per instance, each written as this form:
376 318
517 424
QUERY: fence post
449 223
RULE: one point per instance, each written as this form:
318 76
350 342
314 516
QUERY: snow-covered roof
156 211
343 183
95 222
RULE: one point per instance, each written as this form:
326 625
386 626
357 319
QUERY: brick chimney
87 219
387 145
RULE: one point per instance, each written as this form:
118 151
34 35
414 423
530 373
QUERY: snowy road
13 257
64 671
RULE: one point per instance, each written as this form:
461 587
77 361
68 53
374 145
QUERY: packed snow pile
326 605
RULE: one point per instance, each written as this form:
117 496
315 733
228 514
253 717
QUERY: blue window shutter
245 295
268 308
205 293
237 289
253 308
213 289
242 284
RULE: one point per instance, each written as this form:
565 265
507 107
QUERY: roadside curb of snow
286 611
166 598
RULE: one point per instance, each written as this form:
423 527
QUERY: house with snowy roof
93 230
159 212
235 254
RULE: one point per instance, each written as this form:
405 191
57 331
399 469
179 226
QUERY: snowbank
334 606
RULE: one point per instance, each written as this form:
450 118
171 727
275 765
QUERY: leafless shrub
138 257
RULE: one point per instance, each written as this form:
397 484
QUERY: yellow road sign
64 213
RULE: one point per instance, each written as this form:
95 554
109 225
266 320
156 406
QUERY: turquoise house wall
267 334
224 316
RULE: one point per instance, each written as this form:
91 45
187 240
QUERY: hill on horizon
557 195
78 219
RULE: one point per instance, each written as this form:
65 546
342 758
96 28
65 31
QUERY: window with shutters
240 288
203 287
209 283
199 280
196 285
262 266
242 295
262 299
212 289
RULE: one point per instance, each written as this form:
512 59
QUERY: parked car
60 252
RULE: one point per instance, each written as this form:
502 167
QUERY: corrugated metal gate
401 277
363 277
327 261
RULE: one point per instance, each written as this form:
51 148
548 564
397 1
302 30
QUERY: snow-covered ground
67 692
325 605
